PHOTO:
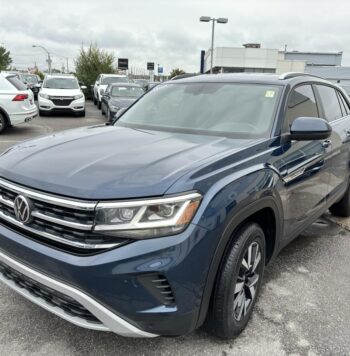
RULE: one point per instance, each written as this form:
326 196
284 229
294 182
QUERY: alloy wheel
247 281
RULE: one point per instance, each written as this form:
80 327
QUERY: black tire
236 285
99 105
3 122
94 100
102 110
342 207
82 114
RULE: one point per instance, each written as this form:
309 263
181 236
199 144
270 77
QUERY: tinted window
330 102
126 91
344 104
110 80
226 109
61 83
301 102
16 83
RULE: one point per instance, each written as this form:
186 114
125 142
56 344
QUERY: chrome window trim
110 321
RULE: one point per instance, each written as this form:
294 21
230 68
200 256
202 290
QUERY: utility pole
218 20
67 65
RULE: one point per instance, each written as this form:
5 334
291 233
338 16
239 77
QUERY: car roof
113 75
125 85
259 78
61 76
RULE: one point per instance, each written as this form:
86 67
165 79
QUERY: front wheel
3 122
99 105
94 99
238 283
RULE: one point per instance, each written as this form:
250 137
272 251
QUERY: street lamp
48 56
218 20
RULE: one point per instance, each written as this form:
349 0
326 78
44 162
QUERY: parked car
16 102
102 82
167 218
32 81
119 96
61 93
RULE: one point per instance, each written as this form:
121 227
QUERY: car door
303 165
335 110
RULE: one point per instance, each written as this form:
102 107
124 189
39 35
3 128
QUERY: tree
176 71
5 59
39 73
92 62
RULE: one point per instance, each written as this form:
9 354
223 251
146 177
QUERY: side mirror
83 87
310 128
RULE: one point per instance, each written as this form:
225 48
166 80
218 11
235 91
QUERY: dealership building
251 58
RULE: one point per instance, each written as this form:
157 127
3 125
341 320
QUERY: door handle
348 132
326 143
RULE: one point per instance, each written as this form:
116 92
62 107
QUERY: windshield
227 109
126 91
110 80
28 78
61 83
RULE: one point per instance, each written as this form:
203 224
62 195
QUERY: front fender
224 209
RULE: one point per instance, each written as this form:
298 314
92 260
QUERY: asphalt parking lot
304 308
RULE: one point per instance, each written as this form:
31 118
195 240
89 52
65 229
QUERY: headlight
45 96
79 96
147 218
115 108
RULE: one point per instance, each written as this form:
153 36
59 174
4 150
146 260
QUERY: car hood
60 92
109 162
122 102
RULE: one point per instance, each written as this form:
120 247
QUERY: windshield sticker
269 94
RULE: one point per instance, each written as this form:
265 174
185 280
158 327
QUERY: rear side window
330 102
344 105
16 83
301 102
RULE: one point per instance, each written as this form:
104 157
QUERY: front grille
61 222
158 285
51 296
61 101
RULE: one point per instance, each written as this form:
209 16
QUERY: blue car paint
236 177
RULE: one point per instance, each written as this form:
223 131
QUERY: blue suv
166 219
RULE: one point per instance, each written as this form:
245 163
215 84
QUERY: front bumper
47 105
109 321
111 285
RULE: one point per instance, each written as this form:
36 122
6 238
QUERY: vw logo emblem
22 209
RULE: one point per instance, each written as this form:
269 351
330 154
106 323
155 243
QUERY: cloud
169 32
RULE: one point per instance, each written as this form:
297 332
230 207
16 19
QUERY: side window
344 105
330 102
301 102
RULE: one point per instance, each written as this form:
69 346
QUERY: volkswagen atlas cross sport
165 219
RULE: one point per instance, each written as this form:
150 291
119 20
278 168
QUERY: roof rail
290 75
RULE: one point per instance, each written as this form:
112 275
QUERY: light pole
218 20
48 56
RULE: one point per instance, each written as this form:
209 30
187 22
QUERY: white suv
102 82
60 93
16 102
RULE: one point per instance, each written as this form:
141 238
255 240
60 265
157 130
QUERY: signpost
123 63
150 68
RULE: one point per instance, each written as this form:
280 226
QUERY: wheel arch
267 213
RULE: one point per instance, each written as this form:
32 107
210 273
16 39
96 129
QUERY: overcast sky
168 31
